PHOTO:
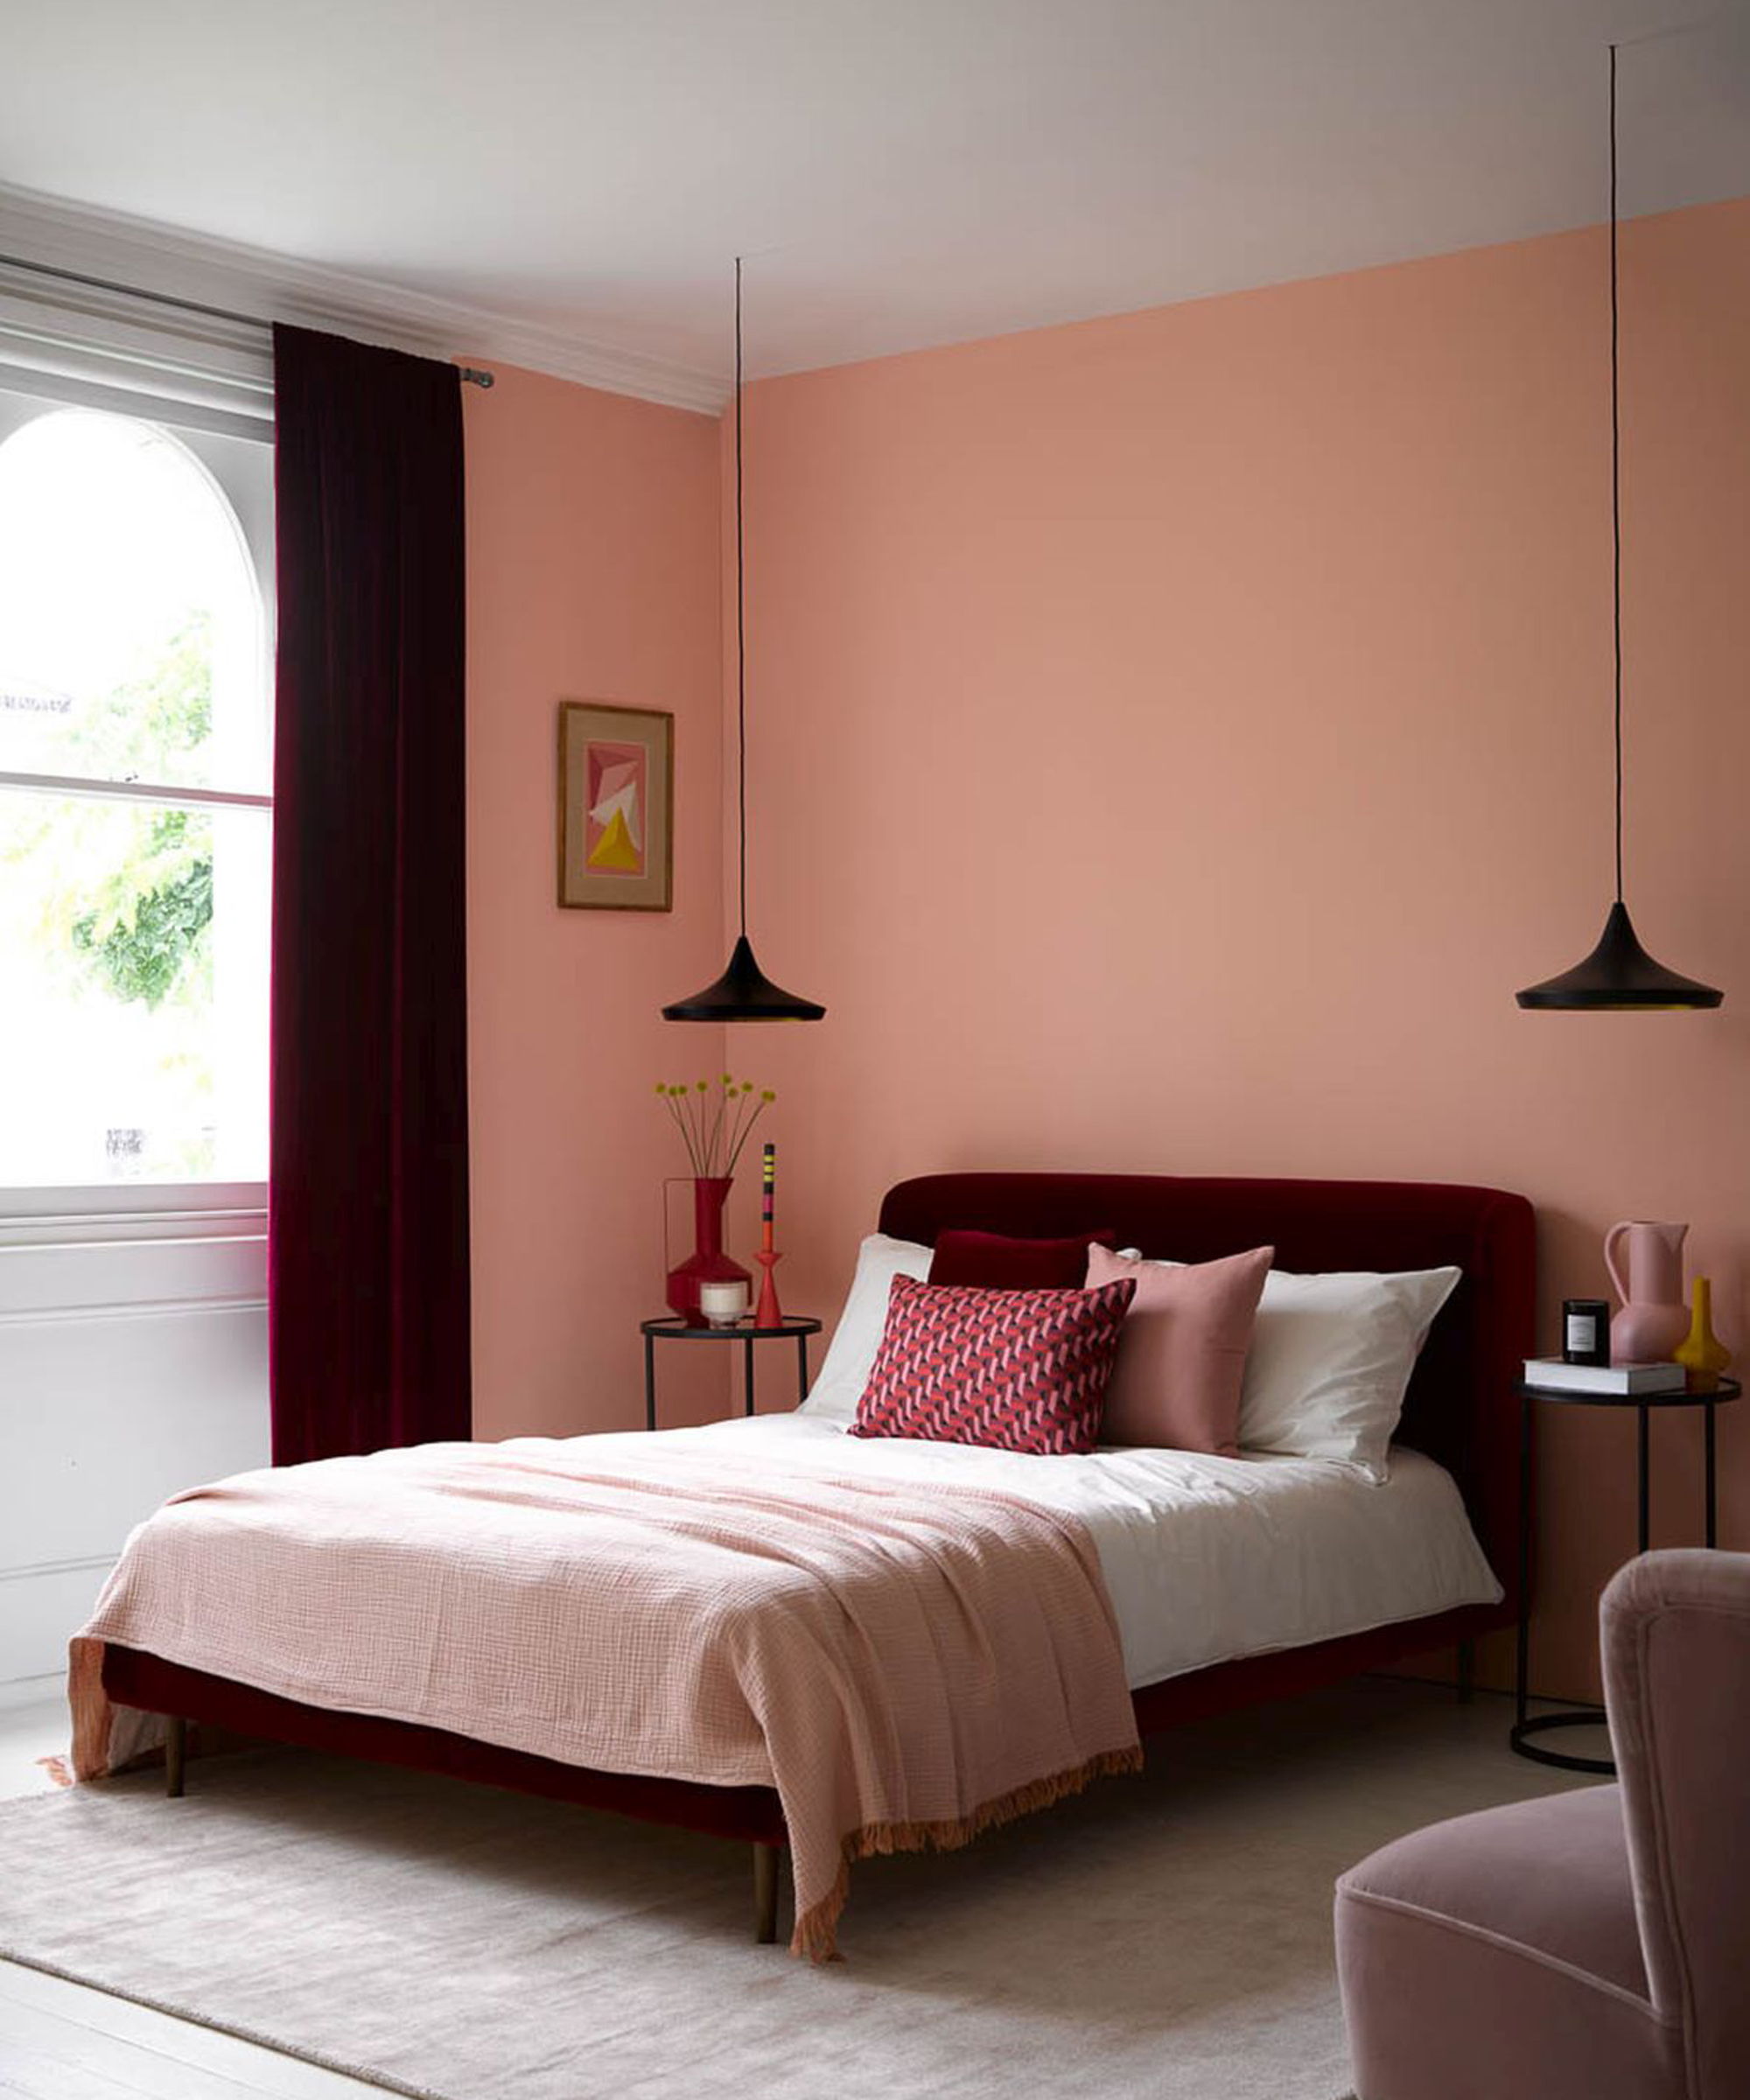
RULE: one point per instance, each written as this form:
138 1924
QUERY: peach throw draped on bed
905 1665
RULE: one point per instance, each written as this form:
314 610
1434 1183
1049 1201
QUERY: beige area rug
1167 1937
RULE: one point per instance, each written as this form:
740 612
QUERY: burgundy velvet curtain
367 1200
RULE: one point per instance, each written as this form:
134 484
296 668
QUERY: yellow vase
1701 1352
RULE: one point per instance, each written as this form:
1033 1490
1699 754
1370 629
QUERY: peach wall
593 544
1176 737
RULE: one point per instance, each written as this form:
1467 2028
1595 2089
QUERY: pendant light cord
1615 479
741 634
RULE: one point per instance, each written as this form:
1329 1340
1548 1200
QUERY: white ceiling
900 172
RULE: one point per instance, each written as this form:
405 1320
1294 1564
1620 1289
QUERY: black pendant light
744 992
1619 975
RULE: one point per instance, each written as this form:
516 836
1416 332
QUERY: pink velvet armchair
1593 1945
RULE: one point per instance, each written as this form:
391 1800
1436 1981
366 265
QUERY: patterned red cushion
1021 1370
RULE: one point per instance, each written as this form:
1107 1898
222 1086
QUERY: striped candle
768 1188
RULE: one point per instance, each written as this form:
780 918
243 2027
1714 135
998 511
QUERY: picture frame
616 807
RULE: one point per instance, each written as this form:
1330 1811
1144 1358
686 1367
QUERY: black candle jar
1586 1330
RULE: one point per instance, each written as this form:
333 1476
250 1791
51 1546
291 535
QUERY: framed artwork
616 807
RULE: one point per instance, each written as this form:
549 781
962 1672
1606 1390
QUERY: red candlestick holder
768 1313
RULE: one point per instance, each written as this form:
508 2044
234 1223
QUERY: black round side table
673 1328
1525 1730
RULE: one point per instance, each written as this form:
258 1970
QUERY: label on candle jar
1582 1334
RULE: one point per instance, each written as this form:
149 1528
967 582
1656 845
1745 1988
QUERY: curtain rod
471 375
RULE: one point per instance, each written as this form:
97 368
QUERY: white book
1625 1378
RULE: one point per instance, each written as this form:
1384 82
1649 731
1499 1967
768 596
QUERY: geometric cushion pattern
1018 1370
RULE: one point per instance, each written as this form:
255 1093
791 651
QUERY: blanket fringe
92 1711
816 1933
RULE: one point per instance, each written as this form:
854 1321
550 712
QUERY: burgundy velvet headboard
1459 1408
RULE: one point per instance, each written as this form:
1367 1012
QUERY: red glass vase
707 1264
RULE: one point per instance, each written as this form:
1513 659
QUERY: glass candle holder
723 1303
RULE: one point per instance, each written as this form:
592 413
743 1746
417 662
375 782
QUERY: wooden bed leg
1467 1666
765 1858
176 1749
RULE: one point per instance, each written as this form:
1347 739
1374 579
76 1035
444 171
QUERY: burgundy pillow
997 1263
1018 1370
1183 1356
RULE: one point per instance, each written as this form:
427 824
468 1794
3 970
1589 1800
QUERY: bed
1456 1484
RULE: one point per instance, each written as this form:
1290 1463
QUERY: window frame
83 1212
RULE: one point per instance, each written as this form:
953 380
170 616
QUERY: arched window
135 780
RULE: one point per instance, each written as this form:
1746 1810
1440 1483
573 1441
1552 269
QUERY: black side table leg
1707 1445
747 1374
1524 1666
649 1381
802 1393
1645 1499
1522 1737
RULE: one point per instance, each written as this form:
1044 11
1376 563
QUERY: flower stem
758 1110
686 1135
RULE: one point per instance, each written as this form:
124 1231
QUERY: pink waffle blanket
905 1665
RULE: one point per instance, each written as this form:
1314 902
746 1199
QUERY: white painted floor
63 2041
26 1734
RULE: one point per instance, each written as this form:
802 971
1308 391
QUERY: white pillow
1331 1359
857 1336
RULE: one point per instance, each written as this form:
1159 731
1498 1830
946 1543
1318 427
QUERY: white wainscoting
133 1362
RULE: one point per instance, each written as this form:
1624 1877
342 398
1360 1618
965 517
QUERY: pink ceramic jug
1653 1319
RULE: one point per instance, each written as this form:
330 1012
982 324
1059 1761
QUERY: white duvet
1206 1558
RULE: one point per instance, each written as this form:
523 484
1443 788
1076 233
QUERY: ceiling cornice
272 287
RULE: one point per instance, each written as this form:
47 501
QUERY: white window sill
123 1249
132 1210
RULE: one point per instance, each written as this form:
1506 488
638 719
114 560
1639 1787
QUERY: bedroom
1177 536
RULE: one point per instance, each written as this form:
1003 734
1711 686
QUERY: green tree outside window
143 929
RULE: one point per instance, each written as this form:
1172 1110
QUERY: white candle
723 1304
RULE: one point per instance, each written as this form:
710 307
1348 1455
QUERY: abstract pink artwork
615 811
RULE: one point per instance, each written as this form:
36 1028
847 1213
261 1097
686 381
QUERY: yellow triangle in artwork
615 848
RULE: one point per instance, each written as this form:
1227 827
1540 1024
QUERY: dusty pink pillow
1182 1352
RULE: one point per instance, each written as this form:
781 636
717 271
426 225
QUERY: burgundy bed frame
1457 1410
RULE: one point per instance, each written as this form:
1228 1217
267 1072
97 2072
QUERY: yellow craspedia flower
768 1095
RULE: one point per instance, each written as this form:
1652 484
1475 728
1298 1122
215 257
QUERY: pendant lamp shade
744 992
1619 975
